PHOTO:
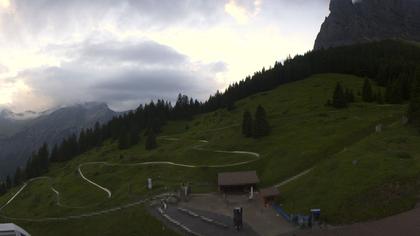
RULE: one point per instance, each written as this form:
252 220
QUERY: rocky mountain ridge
362 21
50 128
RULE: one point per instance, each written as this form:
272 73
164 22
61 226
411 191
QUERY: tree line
255 127
391 64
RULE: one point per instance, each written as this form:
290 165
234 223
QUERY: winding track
256 157
168 163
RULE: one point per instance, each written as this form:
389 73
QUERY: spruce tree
54 154
367 94
261 126
349 96
123 140
151 140
8 182
247 124
3 189
43 159
394 92
339 98
414 107
379 97
18 177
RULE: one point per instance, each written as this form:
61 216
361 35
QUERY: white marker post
149 183
251 195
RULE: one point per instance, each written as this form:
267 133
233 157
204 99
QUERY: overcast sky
127 52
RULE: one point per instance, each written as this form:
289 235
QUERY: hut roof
238 178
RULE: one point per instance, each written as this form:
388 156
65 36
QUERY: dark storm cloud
154 71
147 52
153 84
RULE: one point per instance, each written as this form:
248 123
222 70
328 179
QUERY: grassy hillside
305 134
377 176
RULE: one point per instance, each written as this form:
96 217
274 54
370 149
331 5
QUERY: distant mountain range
361 21
23 133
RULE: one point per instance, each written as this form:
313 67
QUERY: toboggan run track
256 157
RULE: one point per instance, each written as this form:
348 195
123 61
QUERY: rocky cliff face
369 20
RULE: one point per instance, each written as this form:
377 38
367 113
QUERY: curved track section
256 156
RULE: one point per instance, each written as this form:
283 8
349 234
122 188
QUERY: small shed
237 181
269 194
12 230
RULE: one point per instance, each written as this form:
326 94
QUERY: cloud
3 69
123 74
243 10
129 51
60 16
146 52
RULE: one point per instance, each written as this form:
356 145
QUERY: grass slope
305 134
375 177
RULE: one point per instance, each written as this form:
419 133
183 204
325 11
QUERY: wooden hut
237 181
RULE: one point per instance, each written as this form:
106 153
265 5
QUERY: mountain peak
360 21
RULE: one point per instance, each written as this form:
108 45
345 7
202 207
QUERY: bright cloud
5 3
241 12
131 51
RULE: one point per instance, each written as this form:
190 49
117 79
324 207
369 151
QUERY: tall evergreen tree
394 92
379 97
367 93
151 140
8 182
339 98
414 107
261 126
43 156
18 177
3 189
54 154
247 124
124 141
349 96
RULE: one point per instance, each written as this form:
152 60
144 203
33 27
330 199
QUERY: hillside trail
344 149
255 157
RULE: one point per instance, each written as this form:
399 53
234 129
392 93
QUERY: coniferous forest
393 65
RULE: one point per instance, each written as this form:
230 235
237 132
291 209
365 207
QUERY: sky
127 52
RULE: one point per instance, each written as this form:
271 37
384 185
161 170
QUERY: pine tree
134 135
18 177
414 107
367 94
349 96
379 97
261 127
3 189
230 104
151 140
339 98
247 124
394 92
123 141
8 182
43 159
54 154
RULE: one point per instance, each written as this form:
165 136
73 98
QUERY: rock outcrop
360 21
